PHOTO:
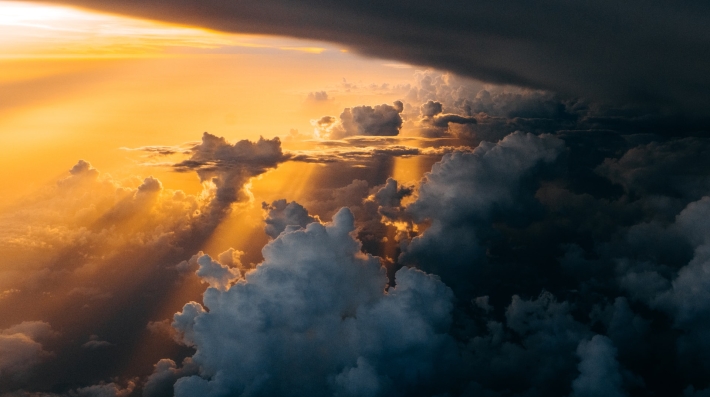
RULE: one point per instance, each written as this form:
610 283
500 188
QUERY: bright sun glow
37 30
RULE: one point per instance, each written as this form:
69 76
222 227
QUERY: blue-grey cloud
315 319
282 216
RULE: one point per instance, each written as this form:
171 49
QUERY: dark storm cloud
449 105
637 51
622 255
599 370
677 168
465 191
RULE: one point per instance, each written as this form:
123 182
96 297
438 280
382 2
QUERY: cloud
466 191
440 104
162 150
92 246
83 167
230 166
318 96
675 168
443 120
218 274
431 109
436 123
599 370
314 319
165 374
487 178
150 185
551 260
282 215
570 251
661 60
101 389
347 153
381 120
390 195
330 201
529 350
94 343
105 390
21 351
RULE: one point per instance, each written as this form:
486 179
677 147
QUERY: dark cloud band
640 52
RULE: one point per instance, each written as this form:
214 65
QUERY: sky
297 198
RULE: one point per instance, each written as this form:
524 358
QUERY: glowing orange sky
83 85
79 84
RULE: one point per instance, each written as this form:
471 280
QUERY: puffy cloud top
381 120
314 319
283 215
470 186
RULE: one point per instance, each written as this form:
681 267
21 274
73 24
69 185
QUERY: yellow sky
77 84
81 85
38 30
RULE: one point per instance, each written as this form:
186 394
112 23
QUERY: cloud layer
572 48
564 253
548 286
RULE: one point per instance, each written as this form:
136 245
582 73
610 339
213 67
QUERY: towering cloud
230 166
465 193
315 319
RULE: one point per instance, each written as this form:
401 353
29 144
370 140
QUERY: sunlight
32 30
244 227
